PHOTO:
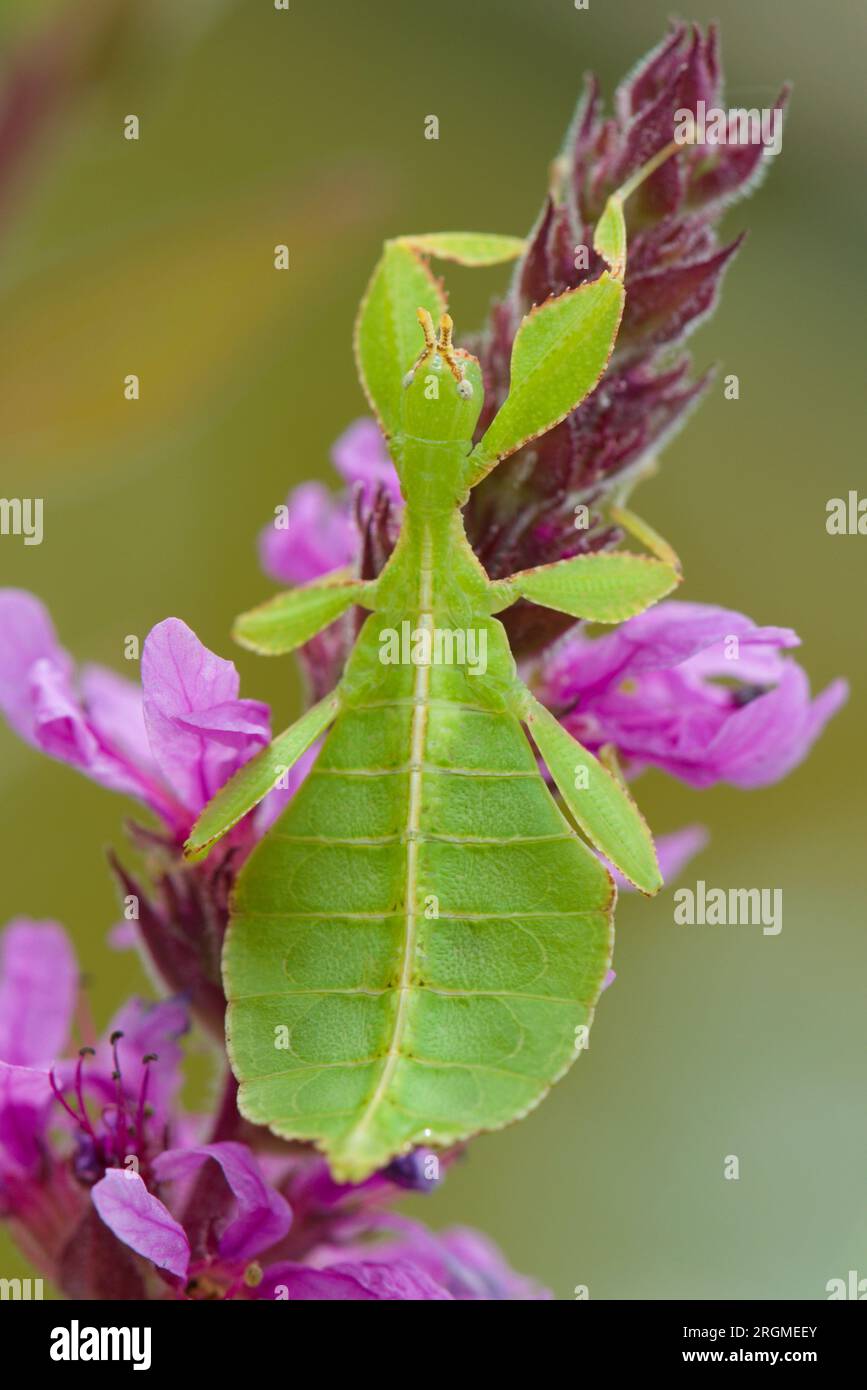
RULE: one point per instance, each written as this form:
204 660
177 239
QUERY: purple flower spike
522 514
113 1191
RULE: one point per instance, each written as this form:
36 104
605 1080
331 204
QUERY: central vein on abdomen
418 733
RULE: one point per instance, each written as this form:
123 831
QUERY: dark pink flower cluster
115 1193
524 512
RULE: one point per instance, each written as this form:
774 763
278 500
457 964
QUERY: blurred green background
306 127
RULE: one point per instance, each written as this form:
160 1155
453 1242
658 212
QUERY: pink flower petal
25 1095
115 707
362 1281
38 988
319 536
26 636
361 458
149 1029
199 731
39 700
141 1221
263 1216
671 689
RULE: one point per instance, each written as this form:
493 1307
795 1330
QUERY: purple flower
461 1263
63 1122
360 1281
39 698
318 532
38 989
171 744
362 460
471 1266
262 1218
96 1157
132 1073
316 535
253 1216
200 731
699 691
96 1129
141 1221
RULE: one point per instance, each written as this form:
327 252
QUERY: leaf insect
406 1027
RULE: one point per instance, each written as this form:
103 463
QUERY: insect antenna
430 344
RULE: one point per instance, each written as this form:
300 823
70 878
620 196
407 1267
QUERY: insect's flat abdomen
425 949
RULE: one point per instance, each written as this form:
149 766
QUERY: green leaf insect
417 945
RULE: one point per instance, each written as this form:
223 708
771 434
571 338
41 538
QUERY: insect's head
442 401
440 352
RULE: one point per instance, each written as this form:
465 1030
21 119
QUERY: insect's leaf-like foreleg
562 347
467 248
290 619
609 238
603 588
386 330
560 351
644 532
600 803
252 783
610 760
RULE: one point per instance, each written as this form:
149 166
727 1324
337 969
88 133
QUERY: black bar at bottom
63 1338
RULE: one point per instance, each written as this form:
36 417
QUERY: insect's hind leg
600 804
252 783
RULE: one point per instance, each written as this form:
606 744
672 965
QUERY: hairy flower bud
524 513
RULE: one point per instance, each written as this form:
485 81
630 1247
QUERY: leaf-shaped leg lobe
252 782
601 803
